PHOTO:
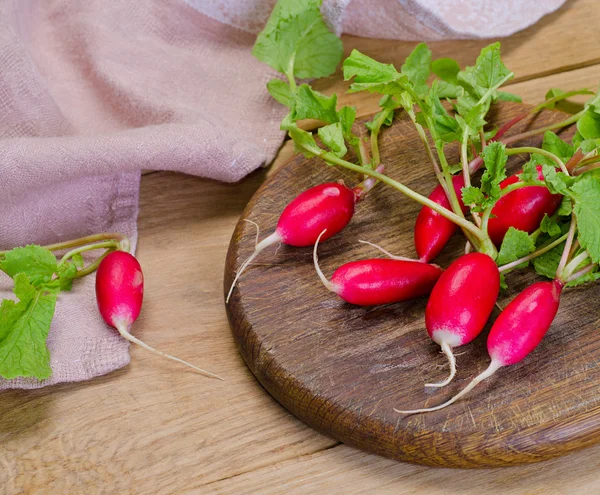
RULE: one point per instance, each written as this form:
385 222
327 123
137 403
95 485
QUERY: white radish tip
491 369
124 331
328 285
266 242
387 253
447 350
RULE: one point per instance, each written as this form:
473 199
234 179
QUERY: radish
328 206
460 304
523 209
516 332
119 293
380 281
432 230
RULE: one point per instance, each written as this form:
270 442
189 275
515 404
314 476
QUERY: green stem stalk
535 254
460 221
90 247
539 151
572 266
59 246
534 132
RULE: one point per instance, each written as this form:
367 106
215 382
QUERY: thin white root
447 350
257 230
468 247
492 368
266 242
387 253
499 307
323 278
126 335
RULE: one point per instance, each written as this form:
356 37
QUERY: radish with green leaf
120 292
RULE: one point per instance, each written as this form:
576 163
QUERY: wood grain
342 369
343 470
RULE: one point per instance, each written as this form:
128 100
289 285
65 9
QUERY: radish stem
584 271
535 132
535 254
565 255
124 331
59 246
492 368
447 350
539 151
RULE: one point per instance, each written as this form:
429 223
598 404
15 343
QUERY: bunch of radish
508 222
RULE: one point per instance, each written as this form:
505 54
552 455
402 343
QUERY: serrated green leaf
66 274
550 226
516 245
346 117
557 182
281 91
586 193
417 68
488 72
365 69
296 41
566 207
557 146
472 195
494 160
547 264
588 125
529 172
23 350
446 69
332 136
37 263
310 104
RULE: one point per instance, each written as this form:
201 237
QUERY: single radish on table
523 208
515 333
460 304
328 206
119 293
380 281
432 230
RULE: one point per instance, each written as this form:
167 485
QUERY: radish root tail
126 335
387 253
492 368
447 350
328 285
257 231
266 242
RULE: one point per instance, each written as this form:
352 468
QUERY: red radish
432 230
523 209
461 303
516 332
380 281
119 293
327 206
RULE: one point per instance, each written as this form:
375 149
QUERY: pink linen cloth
93 91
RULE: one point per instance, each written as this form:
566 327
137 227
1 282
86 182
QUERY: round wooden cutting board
342 369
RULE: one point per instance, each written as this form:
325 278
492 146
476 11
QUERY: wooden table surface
155 428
